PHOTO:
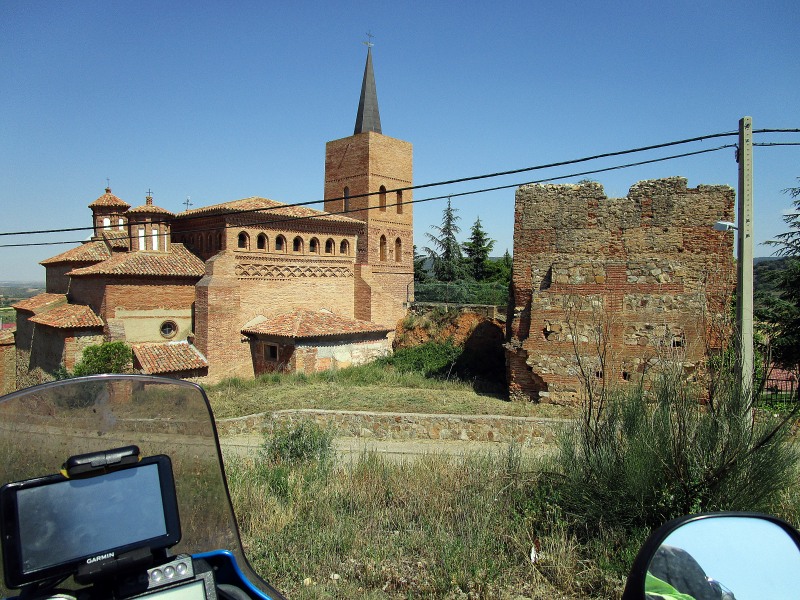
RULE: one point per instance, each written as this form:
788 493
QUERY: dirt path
349 447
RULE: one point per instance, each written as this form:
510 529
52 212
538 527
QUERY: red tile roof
266 207
116 239
7 337
150 209
40 301
168 357
109 199
90 252
69 316
312 323
178 262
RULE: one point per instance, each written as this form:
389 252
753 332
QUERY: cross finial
188 202
369 43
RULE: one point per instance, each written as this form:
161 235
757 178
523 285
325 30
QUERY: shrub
639 457
108 357
304 442
431 358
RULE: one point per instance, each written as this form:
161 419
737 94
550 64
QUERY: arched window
297 244
382 198
120 223
330 245
383 248
261 242
106 223
243 240
313 246
280 244
398 250
154 237
219 241
210 240
344 248
346 199
399 202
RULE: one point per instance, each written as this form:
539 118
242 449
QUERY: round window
169 329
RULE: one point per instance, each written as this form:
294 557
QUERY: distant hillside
11 292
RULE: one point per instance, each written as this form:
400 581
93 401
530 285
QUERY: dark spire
368 118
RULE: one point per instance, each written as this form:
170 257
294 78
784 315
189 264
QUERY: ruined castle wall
631 277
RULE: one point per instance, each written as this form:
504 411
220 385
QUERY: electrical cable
427 185
435 184
417 201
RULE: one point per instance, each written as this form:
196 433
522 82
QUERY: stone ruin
627 279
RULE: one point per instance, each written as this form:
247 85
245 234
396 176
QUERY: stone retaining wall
405 426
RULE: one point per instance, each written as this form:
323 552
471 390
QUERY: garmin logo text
99 558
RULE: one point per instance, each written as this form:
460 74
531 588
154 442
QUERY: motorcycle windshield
42 426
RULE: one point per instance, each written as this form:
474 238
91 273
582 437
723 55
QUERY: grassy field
436 527
456 527
369 388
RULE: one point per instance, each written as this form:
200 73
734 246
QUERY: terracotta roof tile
69 316
150 209
90 252
168 357
7 337
265 206
310 323
109 199
36 303
178 262
116 239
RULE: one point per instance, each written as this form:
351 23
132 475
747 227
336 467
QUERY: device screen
77 518
191 591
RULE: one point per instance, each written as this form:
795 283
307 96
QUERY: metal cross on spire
369 43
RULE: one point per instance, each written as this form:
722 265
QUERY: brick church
238 288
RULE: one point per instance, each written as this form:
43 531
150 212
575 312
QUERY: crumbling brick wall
628 279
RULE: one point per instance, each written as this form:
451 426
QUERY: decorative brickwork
641 275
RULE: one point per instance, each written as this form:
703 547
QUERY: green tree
108 357
476 251
500 270
446 251
420 270
782 312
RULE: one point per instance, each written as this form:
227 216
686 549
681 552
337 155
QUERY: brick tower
364 177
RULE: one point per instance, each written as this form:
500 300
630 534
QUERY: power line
438 183
420 200
435 184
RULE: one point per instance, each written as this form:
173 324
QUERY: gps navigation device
53 526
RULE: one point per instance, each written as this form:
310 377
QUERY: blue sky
224 100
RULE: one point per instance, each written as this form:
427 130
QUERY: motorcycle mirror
718 556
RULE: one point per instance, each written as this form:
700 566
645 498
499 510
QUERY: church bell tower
366 176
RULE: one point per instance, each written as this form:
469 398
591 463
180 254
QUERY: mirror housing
712 556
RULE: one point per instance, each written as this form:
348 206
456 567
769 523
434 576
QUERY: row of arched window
384 250
298 245
398 203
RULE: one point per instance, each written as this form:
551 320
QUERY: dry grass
436 527
369 388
